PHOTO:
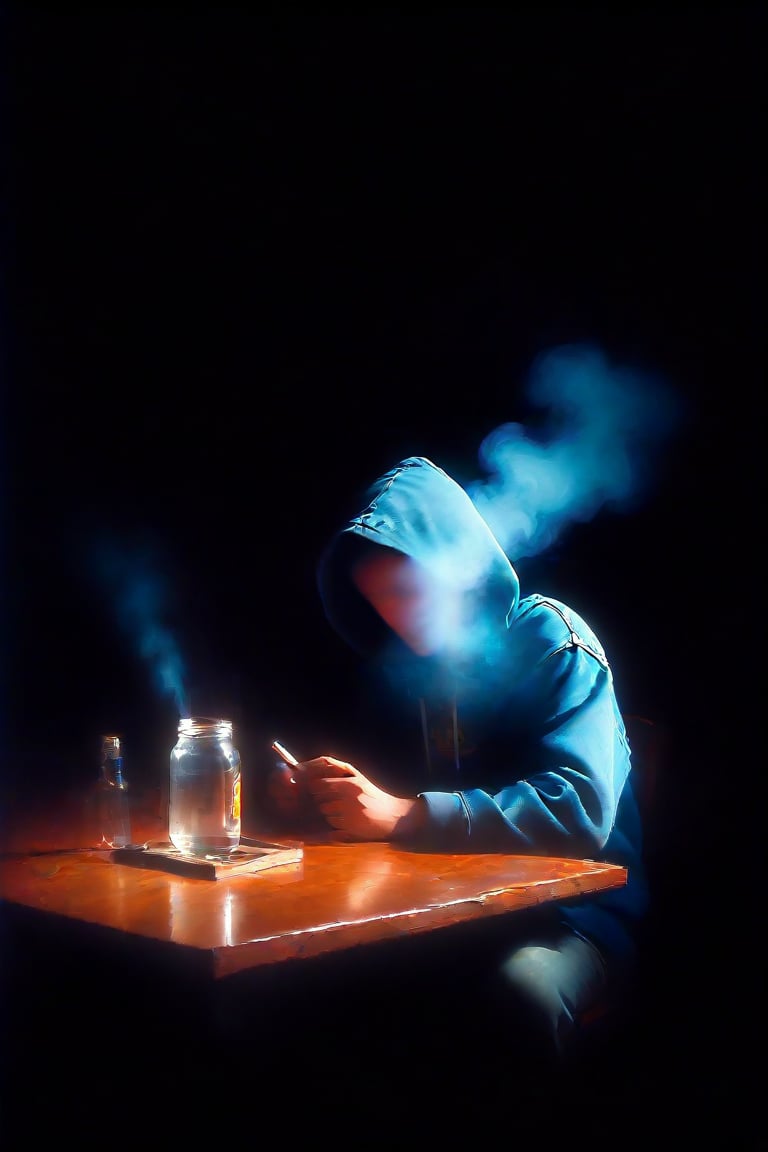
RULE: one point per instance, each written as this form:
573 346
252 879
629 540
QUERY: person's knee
527 981
551 985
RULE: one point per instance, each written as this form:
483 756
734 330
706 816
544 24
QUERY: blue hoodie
524 745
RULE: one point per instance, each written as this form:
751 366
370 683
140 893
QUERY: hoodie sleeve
563 800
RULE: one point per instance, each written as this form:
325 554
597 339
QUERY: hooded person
522 747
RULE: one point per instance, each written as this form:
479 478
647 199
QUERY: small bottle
113 801
204 792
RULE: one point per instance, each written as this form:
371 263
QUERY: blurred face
423 612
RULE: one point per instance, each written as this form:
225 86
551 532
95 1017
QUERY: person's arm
565 803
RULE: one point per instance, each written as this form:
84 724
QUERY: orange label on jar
236 802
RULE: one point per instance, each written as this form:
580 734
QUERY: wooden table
144 1003
338 897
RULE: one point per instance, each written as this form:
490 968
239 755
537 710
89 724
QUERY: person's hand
355 807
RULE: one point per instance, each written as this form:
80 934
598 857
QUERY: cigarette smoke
138 594
598 448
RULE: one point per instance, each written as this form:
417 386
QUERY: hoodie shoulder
552 625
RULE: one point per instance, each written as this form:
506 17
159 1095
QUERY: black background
254 259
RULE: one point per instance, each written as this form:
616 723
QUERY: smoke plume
138 594
598 447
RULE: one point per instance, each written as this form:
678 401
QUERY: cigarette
286 755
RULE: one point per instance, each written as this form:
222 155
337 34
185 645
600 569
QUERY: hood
418 509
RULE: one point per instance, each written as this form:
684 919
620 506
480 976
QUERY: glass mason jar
204 793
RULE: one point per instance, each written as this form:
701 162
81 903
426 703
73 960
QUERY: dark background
254 259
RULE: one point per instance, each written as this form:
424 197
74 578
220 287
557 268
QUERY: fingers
323 767
332 789
336 799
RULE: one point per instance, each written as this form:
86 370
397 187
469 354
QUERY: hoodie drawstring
454 734
425 734
456 760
